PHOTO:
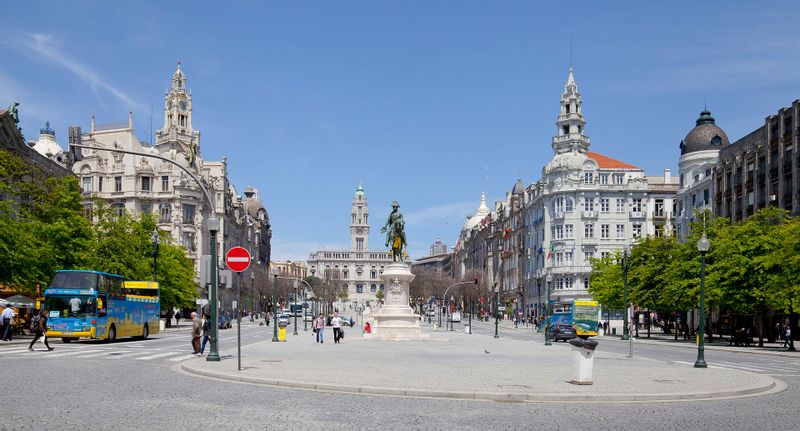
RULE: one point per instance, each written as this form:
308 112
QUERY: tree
606 281
327 291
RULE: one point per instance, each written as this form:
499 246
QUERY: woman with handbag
319 328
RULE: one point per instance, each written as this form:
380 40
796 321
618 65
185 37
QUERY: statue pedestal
396 320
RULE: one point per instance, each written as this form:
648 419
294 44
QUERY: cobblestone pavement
96 393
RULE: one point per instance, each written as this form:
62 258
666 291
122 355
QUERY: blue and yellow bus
98 305
583 315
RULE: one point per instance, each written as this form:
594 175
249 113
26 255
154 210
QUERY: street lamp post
155 240
547 342
702 245
496 310
213 227
625 264
294 308
275 306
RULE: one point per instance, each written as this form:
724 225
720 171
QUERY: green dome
360 191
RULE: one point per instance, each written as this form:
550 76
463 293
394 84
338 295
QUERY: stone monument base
396 320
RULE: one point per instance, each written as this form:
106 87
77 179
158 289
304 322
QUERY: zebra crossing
104 353
774 367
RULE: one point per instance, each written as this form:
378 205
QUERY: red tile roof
605 162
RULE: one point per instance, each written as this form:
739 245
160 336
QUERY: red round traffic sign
238 259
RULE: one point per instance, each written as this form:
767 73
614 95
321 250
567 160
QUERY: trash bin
282 332
466 329
582 360
162 323
435 326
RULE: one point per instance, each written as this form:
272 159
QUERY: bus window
70 305
75 280
101 305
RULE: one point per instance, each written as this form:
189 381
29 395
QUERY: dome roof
47 145
252 206
359 191
705 136
482 212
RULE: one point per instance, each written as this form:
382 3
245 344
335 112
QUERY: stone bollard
582 360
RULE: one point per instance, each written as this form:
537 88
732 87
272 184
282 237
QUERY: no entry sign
238 259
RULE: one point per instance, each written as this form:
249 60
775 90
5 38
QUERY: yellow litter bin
282 332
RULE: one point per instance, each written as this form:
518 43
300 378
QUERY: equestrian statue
395 233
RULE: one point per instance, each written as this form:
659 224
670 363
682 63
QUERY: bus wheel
112 334
145 332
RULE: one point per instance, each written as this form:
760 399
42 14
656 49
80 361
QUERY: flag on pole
541 248
552 249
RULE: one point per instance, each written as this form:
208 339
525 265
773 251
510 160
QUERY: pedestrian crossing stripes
108 353
782 368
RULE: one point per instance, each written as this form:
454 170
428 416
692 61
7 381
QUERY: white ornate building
358 268
139 184
585 205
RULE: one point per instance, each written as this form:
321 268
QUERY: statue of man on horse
395 233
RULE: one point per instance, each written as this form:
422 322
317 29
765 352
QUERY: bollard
582 360
282 332
466 329
162 323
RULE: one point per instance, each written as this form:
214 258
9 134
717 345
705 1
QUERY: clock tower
177 133
359 227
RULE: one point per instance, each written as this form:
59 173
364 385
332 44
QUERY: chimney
667 176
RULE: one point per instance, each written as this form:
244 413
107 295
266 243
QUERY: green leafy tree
606 281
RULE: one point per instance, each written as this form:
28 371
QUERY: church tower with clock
177 133
359 227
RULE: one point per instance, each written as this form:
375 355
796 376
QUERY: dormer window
716 141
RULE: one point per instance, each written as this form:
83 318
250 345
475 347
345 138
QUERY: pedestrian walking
8 316
39 328
206 332
178 318
336 322
197 332
787 336
319 328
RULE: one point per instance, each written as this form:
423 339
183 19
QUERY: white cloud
46 47
287 249
446 212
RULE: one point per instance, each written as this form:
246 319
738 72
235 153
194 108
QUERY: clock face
359 230
182 105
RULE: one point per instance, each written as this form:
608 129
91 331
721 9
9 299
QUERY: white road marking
160 355
182 358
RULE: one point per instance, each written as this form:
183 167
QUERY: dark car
562 331
224 321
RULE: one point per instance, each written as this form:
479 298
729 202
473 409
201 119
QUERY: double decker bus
98 305
583 315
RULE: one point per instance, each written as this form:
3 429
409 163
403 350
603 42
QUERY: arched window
359 288
373 288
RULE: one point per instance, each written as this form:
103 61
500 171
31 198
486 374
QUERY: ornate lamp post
213 228
547 342
275 305
496 309
155 240
702 245
625 264
294 308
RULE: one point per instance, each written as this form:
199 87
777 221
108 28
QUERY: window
188 241
636 205
588 177
604 205
620 205
620 231
619 179
146 209
588 230
568 231
117 184
345 273
86 184
188 214
145 184
118 208
359 288
586 283
567 106
569 283
165 211
659 230
588 204
559 283
164 183
568 205
99 184
588 256
559 258
381 287
558 232
636 229
604 228
659 208
559 205
373 288
568 258
603 178
359 244
373 274
603 254
706 197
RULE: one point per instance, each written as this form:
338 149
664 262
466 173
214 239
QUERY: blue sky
425 102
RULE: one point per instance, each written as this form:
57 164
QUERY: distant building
439 264
358 268
438 248
760 169
699 154
11 140
288 269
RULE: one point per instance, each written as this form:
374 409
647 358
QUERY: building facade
540 241
438 248
145 185
358 268
760 169
699 154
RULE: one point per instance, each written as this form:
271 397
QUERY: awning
21 301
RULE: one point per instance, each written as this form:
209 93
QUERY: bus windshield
71 305
75 280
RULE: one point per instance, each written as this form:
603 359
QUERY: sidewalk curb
764 386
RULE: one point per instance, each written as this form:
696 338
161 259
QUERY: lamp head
703 244
549 278
213 223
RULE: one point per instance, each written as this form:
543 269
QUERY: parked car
562 331
224 321
308 318
283 319
346 320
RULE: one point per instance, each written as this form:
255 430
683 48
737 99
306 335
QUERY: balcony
637 214
558 215
590 214
659 215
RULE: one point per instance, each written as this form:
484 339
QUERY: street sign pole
239 321
238 259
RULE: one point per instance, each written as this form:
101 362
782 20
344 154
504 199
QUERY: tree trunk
760 327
